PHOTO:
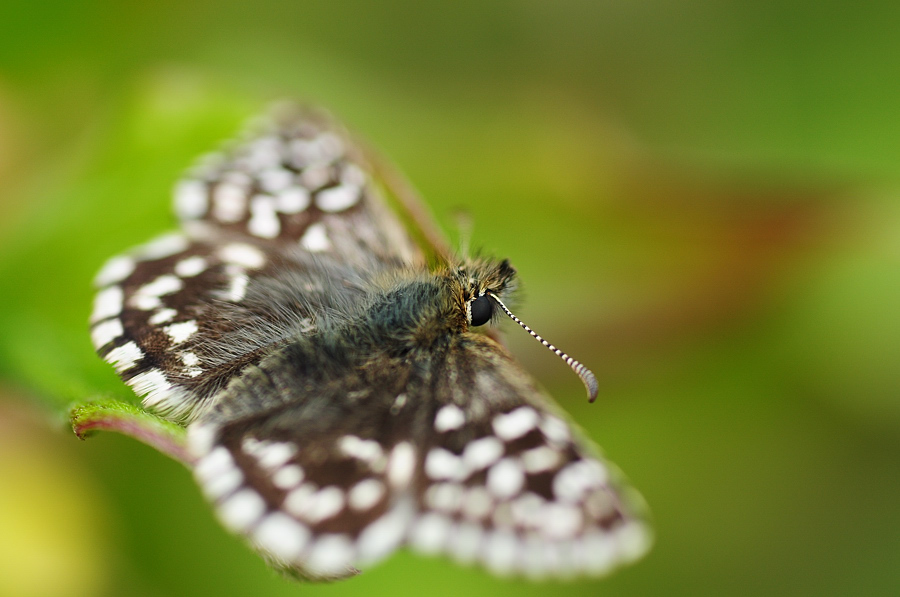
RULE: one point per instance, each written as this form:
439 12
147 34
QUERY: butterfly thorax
424 312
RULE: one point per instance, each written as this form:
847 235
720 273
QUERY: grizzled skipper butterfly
338 399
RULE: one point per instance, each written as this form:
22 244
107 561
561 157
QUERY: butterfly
328 362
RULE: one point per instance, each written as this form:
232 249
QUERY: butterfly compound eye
481 310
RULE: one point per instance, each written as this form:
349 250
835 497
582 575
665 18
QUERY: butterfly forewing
293 180
173 316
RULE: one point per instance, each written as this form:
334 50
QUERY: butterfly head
482 287
476 281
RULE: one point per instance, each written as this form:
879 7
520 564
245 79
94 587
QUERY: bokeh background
701 198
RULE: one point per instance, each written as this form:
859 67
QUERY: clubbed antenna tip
589 379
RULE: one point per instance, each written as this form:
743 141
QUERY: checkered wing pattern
179 316
482 470
313 465
509 483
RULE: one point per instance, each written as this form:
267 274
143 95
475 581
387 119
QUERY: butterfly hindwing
510 484
462 456
313 464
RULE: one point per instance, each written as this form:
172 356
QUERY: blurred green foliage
701 198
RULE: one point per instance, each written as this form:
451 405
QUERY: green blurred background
701 198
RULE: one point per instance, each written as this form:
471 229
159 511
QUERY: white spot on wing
154 384
365 494
114 271
264 222
124 357
448 418
362 449
399 403
443 464
264 153
540 459
444 497
315 176
237 288
555 430
288 477
500 552
430 533
324 504
482 452
401 465
599 503
144 302
516 423
252 446
539 557
161 286
338 198
190 267
105 332
179 332
297 502
465 541
385 534
213 464
315 239
274 455
200 438
163 246
191 199
561 521
229 202
596 552
352 175
281 536
304 152
330 146
477 503
573 481
243 255
331 554
107 303
526 509
274 180
223 484
292 200
506 478
634 540
242 510
236 177
162 316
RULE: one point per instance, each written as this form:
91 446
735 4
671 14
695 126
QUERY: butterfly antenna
589 379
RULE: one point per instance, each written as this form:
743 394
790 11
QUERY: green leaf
121 417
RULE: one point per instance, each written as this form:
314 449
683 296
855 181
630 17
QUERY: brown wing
276 227
463 457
